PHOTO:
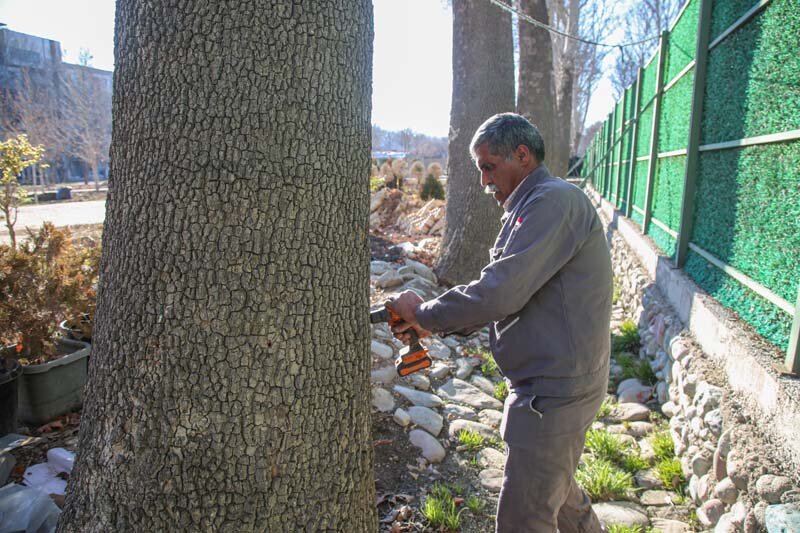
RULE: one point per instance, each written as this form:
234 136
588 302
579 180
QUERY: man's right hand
404 304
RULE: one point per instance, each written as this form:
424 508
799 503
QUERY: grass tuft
501 391
440 509
605 445
605 409
663 445
474 504
633 463
489 367
670 473
603 481
628 338
471 440
635 368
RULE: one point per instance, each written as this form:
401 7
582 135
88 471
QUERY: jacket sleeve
536 249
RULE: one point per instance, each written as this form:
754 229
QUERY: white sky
412 78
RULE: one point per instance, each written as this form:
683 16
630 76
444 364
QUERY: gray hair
504 132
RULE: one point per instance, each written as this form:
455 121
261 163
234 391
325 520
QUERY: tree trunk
537 96
33 184
229 380
96 176
483 84
561 149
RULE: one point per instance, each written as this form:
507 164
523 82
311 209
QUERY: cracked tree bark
537 94
229 379
483 85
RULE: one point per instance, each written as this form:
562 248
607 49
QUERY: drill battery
412 357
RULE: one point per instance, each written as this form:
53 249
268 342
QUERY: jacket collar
528 183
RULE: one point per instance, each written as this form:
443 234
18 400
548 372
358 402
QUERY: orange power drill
412 357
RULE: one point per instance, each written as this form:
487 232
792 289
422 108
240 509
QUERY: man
546 294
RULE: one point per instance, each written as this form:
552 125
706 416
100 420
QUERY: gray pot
9 378
54 388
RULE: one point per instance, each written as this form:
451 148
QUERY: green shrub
45 280
432 188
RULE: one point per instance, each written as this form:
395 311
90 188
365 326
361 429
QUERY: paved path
61 214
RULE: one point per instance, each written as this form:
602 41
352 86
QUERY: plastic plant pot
9 381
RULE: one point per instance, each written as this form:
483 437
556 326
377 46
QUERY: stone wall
738 477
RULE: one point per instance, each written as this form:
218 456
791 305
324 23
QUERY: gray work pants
545 438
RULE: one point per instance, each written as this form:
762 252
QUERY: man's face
498 174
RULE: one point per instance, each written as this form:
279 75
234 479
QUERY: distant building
32 70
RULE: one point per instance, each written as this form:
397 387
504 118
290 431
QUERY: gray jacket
546 291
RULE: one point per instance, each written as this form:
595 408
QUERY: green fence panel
754 77
667 196
673 131
726 12
682 41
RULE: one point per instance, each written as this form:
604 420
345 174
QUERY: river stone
701 463
427 419
707 397
705 488
401 417
646 450
637 393
625 384
7 463
384 351
713 421
378 267
463 368
658 497
647 479
710 512
726 524
784 517
432 449
382 400
456 426
662 392
665 525
389 279
631 412
621 513
725 491
384 375
490 417
724 444
460 391
491 479
678 348
418 381
770 488
737 471
417 397
640 429
453 411
422 270
439 370
720 469
482 383
436 348
614 429
492 458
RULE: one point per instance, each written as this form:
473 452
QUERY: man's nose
485 179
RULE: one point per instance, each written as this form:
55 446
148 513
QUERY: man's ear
523 154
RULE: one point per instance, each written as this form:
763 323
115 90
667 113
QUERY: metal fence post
695 125
792 364
637 101
618 178
607 153
652 165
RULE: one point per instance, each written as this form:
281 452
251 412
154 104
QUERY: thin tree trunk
537 96
483 85
33 184
229 380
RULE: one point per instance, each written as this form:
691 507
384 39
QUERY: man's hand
404 305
